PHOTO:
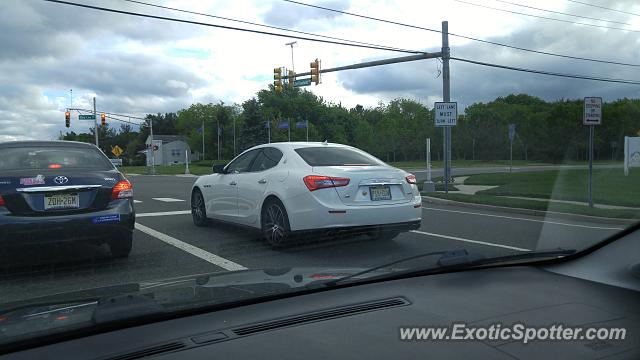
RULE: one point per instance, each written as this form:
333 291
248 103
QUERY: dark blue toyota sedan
61 191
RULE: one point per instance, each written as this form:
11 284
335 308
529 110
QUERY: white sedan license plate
380 193
61 201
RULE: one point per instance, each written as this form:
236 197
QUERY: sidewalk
599 206
468 189
473 189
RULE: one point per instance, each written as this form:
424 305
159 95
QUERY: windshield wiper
366 271
454 259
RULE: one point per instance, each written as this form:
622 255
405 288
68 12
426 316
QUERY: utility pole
428 185
473 149
446 97
234 136
218 139
95 120
153 151
293 68
512 135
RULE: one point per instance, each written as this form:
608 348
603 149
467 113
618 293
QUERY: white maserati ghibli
293 188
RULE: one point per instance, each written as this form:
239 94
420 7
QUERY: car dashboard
600 290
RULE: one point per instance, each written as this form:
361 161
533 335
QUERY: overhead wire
562 13
258 24
540 52
142 15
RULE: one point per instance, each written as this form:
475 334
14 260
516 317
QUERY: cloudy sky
136 66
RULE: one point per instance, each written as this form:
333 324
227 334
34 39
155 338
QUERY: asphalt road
167 244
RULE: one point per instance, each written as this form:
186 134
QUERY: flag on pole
301 124
283 125
267 125
219 131
199 130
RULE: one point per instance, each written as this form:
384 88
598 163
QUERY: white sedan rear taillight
123 189
411 179
315 182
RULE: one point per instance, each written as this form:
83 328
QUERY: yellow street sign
116 150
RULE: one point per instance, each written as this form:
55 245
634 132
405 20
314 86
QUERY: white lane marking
167 199
193 250
164 213
137 201
469 240
525 219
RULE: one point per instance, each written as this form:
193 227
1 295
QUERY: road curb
605 220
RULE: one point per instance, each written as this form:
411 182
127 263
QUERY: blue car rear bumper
97 226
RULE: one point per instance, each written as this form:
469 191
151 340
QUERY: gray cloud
472 83
50 48
289 15
39 29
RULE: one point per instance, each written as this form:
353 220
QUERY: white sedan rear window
336 156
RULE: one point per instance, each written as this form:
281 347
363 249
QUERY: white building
172 149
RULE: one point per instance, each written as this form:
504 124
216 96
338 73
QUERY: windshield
267 145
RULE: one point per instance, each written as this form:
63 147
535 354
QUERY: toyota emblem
61 180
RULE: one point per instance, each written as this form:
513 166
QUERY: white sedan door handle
262 181
233 183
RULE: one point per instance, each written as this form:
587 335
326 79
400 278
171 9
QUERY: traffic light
292 78
67 119
315 71
277 79
103 119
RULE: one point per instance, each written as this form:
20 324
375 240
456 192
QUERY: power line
261 25
562 13
542 72
546 18
225 27
333 42
466 37
603 7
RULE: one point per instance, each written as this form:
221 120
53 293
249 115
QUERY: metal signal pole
446 97
95 120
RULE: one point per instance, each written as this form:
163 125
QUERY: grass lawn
610 186
539 205
481 163
460 163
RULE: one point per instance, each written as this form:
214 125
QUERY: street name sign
302 82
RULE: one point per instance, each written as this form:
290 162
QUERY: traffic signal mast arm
374 63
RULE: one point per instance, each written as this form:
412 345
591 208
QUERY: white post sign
631 153
592 111
446 113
